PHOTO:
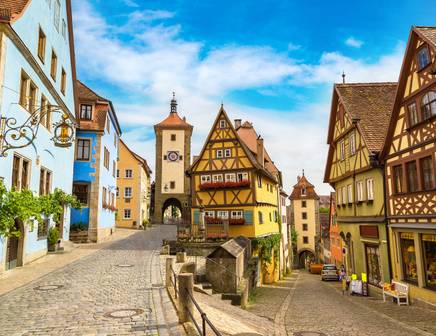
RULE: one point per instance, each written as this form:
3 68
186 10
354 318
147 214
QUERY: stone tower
173 159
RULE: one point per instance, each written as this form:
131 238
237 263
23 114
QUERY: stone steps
234 298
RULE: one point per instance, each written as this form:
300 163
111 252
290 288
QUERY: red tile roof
173 120
303 183
11 10
428 33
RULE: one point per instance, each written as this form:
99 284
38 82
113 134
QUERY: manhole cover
48 287
122 313
124 265
309 333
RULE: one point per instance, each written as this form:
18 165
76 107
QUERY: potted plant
52 238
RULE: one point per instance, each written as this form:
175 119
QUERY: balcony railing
223 185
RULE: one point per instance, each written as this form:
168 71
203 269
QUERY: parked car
329 272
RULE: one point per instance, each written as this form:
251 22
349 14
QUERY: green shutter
196 217
248 216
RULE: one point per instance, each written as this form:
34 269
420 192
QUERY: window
398 179
86 112
260 214
370 189
106 158
242 177
127 214
408 256
222 214
429 252
228 152
45 118
115 140
428 104
128 192
303 191
20 173
303 204
352 141
108 125
338 197
413 114
219 153
172 185
305 240
118 173
344 196
427 173
45 181
209 213
373 265
423 58
217 178
54 65
304 215
205 179
83 149
117 191
173 137
114 168
32 97
350 193
230 177
41 45
81 192
223 124
43 228
259 181
237 214
305 227
412 176
23 89
359 190
64 29
342 150
104 194
128 173
56 14
63 81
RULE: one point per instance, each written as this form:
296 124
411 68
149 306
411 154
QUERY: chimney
260 151
238 123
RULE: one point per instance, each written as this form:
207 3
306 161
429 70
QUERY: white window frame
57 14
352 143
344 195
370 189
209 213
230 177
350 193
222 214
219 153
342 150
223 123
359 191
217 178
205 179
130 214
228 152
126 193
241 177
126 175
237 214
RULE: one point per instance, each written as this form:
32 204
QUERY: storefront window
408 256
373 264
429 250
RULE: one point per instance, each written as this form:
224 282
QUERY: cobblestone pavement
115 291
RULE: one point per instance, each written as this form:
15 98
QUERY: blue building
95 166
37 72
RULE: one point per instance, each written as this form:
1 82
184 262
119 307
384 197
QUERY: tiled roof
302 182
371 104
173 120
85 93
429 33
138 157
15 7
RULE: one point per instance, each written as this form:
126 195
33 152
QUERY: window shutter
196 217
248 216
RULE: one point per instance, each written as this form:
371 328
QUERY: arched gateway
173 158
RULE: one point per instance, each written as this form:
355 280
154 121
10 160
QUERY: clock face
173 156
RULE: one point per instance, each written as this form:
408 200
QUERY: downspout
388 240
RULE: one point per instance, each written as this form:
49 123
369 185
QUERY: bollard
186 284
181 257
169 266
189 267
244 294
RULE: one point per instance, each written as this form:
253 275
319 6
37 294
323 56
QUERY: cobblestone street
115 291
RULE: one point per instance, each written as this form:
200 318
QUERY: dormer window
86 112
413 114
303 191
223 124
423 58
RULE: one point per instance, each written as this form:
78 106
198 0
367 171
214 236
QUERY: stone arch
305 257
15 247
176 205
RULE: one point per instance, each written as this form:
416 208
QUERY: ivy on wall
267 247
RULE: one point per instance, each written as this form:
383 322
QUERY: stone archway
305 258
15 247
172 211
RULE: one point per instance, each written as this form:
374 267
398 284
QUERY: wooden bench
400 291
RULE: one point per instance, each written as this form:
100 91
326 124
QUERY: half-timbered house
358 122
234 182
409 153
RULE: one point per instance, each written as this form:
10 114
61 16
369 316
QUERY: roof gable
303 184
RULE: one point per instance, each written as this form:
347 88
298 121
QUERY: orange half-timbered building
409 155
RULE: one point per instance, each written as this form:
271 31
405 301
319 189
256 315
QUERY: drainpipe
388 240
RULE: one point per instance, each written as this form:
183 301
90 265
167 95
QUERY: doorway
14 248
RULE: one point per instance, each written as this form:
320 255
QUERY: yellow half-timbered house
358 122
235 183
410 158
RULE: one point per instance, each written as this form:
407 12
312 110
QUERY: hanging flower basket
220 185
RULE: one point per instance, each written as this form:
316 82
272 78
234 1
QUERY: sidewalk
21 276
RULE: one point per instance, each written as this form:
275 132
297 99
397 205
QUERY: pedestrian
343 278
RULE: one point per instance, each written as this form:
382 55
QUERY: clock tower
173 159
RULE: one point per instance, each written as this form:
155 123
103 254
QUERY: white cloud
293 46
353 42
130 3
157 61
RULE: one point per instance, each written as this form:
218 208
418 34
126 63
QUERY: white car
329 272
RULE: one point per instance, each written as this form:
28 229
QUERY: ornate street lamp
14 137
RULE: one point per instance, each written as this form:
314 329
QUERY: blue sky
270 62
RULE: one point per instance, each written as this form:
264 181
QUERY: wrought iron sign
13 136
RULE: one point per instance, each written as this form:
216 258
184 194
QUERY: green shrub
77 227
53 236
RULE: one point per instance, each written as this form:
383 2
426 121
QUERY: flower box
213 220
219 185
236 221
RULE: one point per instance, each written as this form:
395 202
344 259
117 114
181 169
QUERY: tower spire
343 77
174 103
